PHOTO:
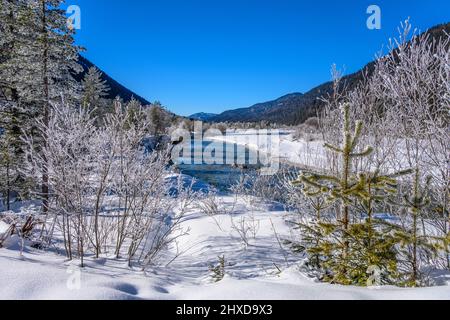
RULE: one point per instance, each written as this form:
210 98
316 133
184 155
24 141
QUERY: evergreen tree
157 119
8 10
413 243
8 169
13 180
42 55
313 237
40 61
94 89
345 250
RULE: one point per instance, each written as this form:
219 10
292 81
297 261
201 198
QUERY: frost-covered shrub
307 132
109 194
405 116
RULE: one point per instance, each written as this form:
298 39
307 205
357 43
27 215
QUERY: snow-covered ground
305 154
294 152
262 270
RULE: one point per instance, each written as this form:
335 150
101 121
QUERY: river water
234 160
231 161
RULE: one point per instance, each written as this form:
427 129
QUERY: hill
202 116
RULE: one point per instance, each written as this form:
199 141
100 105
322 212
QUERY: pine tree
412 243
345 250
218 271
42 55
8 171
159 121
41 60
12 114
94 89
12 165
373 241
8 9
338 188
156 118
313 237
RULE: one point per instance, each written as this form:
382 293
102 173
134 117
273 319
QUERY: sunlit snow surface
252 272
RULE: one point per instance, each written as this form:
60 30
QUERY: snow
252 272
309 154
3 228
300 153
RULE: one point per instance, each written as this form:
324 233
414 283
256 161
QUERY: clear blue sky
213 55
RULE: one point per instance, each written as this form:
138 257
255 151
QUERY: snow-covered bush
255 188
246 228
108 192
403 103
308 131
210 204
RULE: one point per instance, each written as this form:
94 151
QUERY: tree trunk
80 240
8 187
45 178
415 212
96 224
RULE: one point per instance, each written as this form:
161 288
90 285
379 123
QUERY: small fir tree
413 243
218 271
345 250
313 237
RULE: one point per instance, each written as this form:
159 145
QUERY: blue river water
225 171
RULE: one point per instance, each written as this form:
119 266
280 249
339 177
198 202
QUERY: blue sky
214 55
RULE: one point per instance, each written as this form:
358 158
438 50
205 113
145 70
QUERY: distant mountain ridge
202 116
116 89
296 108
290 109
260 111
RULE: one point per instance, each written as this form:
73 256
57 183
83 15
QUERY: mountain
295 108
261 111
202 116
290 109
116 89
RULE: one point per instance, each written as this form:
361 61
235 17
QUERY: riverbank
300 154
